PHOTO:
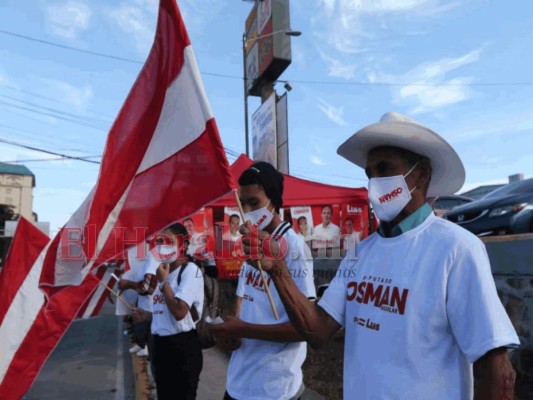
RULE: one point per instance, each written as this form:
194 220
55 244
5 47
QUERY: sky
461 68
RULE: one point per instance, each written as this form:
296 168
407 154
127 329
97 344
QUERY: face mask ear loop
411 170
407 174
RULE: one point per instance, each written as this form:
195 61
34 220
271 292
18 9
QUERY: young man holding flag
268 362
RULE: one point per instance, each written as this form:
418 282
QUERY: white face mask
389 195
166 253
260 217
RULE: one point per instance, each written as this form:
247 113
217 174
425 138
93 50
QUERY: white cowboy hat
397 130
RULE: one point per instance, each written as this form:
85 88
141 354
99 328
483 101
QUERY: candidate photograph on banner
228 244
353 225
302 221
326 232
200 229
232 220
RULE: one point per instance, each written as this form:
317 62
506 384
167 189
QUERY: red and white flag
92 306
29 327
163 160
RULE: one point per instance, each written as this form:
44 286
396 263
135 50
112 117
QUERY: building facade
16 189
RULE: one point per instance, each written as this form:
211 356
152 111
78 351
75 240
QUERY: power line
310 82
48 114
24 146
44 159
55 110
72 48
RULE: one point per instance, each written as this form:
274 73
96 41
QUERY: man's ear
424 173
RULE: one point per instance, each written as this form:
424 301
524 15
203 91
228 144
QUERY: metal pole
245 80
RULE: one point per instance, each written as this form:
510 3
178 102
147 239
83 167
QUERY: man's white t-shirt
190 290
326 236
261 369
418 309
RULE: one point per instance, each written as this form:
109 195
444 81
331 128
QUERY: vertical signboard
282 130
264 132
267 47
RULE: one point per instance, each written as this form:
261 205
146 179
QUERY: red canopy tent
297 192
300 192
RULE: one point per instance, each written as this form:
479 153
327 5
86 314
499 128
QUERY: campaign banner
302 221
201 235
326 232
353 224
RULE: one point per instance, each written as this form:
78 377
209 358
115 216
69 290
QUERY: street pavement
92 362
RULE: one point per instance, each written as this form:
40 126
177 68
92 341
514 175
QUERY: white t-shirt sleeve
191 285
301 269
477 317
240 283
334 299
150 266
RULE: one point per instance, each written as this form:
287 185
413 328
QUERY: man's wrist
162 283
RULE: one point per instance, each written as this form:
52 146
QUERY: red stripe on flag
133 129
188 176
48 328
27 244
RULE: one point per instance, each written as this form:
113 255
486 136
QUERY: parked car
506 210
442 204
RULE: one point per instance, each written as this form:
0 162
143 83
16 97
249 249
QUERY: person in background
177 304
142 279
417 299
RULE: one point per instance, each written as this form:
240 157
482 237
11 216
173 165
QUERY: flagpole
261 272
115 293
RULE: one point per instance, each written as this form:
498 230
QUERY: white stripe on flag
183 117
21 314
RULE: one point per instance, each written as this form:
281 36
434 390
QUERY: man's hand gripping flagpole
259 267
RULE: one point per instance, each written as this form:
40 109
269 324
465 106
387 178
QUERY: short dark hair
234 216
300 218
269 178
179 230
328 206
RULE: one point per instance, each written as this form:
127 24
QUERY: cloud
139 17
335 114
136 19
338 69
430 86
78 97
69 19
358 26
317 161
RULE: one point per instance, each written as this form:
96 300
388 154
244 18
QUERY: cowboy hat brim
448 173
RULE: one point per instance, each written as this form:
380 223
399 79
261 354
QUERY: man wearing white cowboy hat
417 299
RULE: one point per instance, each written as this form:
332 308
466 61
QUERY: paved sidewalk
213 377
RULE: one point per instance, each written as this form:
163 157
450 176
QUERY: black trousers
178 362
